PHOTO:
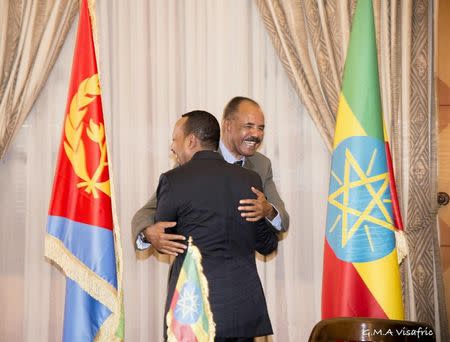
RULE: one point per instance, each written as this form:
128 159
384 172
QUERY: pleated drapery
31 36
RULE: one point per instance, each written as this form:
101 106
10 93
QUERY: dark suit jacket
202 196
259 163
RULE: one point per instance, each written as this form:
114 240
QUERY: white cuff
276 222
140 244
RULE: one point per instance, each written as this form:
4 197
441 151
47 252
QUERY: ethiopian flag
361 276
189 318
82 239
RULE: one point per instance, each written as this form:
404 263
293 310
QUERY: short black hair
232 106
204 126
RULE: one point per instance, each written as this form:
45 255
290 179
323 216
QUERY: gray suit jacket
259 163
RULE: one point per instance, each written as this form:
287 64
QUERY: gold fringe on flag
204 288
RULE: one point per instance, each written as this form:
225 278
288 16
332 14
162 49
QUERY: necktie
239 162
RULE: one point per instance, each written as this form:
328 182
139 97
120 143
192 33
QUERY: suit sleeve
166 209
144 217
271 193
266 238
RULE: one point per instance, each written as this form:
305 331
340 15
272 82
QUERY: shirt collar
229 158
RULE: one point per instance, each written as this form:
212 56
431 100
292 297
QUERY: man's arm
155 233
268 204
144 217
271 193
266 238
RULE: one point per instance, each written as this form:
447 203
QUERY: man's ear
226 124
191 141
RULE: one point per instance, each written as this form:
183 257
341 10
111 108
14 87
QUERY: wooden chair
371 329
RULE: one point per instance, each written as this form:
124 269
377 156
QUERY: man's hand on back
163 242
256 209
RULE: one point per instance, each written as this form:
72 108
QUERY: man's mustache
253 139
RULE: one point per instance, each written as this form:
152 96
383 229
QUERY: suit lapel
248 164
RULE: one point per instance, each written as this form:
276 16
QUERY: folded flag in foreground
189 318
81 237
361 275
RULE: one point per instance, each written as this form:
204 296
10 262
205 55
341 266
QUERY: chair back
371 329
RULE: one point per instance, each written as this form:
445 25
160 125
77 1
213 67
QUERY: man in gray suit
242 134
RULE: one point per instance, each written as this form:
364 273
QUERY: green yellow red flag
189 318
361 275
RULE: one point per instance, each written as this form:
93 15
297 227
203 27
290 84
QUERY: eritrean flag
189 318
361 276
81 237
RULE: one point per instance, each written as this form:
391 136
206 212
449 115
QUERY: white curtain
160 59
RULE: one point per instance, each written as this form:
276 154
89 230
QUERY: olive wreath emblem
88 90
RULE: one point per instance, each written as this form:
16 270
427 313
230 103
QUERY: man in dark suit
202 196
242 134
